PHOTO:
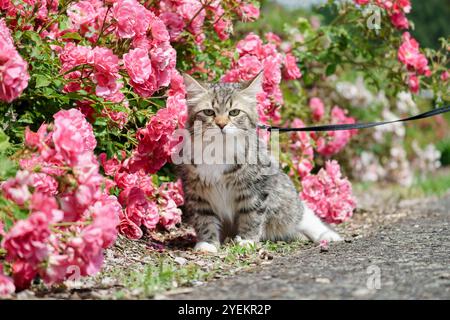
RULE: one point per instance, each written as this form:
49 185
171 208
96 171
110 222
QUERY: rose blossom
409 54
170 215
291 70
130 229
132 18
13 69
138 65
328 194
23 273
413 83
27 239
399 20
335 141
74 121
16 189
317 108
82 12
248 12
6 284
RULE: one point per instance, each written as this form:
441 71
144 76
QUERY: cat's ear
194 88
253 87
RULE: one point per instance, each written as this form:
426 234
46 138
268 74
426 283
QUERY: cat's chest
219 193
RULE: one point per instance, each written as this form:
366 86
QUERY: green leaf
72 35
331 69
42 81
4 142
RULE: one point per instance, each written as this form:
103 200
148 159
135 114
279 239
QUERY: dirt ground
405 257
394 248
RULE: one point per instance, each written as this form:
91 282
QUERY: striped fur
243 201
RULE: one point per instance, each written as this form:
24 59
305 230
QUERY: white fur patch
220 197
205 247
315 229
211 173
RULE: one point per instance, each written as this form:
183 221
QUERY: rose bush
91 95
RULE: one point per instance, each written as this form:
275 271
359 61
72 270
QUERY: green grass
163 274
435 184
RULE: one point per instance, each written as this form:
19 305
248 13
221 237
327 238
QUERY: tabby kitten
247 202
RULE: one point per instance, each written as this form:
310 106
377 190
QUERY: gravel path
404 258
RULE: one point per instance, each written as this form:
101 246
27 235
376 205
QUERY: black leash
350 126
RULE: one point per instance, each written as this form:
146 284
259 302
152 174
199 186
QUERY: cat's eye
234 112
209 112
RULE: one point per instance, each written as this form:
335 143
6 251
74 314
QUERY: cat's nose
221 122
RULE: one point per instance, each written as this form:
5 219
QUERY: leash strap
351 126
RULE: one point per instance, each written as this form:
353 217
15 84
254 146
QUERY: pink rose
48 205
250 44
58 267
16 189
75 121
273 38
2 229
106 217
126 180
172 191
105 61
174 24
291 70
13 69
23 273
138 65
73 55
130 229
6 284
82 12
5 36
413 83
409 54
27 239
159 30
147 88
170 215
132 18
248 11
68 140
399 20
107 85
110 166
13 74
249 66
317 108
44 183
191 11
137 205
328 194
152 217
336 140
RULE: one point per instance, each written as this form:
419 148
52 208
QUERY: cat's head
225 106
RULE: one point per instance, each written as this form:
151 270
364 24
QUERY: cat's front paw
203 246
330 236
